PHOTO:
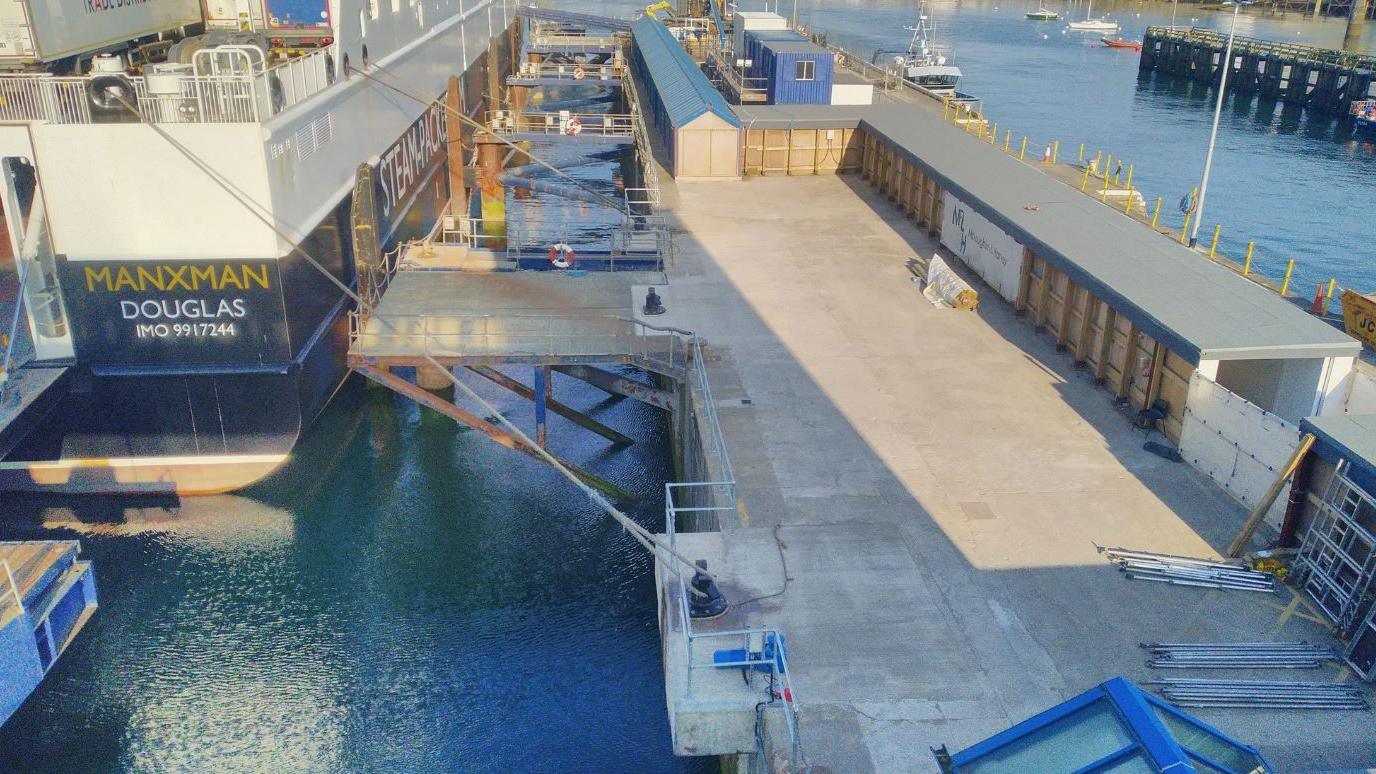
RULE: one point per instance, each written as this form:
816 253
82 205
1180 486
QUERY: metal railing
648 195
747 88
585 338
246 97
574 42
587 73
506 122
11 601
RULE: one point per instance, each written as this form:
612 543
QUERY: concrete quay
935 482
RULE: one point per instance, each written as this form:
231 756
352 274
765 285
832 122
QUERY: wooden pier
1321 79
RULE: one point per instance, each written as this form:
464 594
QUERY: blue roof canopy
679 85
1113 727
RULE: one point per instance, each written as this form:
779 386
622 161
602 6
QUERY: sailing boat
1090 24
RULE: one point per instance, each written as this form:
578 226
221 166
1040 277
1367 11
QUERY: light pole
1227 65
1174 3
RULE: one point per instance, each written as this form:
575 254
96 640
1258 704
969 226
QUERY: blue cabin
795 70
46 596
1114 726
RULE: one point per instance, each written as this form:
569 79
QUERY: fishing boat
924 63
1042 14
1364 116
1091 24
1135 45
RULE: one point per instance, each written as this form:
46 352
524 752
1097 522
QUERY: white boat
1090 24
925 63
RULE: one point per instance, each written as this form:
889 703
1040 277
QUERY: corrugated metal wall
781 70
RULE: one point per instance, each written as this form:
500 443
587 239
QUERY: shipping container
797 72
748 21
754 38
45 31
297 14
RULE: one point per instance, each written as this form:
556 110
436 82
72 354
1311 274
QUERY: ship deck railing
226 98
565 42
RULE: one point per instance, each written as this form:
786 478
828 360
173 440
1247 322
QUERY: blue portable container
753 40
797 72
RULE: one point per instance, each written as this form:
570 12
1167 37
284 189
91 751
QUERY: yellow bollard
1084 181
1007 140
1098 162
1156 213
1082 153
994 134
1127 207
945 110
1328 298
1247 264
1022 153
1289 270
1185 229
1055 151
1104 195
1108 164
1129 182
1213 246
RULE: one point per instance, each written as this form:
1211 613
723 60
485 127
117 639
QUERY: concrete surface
934 482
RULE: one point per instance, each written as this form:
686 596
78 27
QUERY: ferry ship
175 196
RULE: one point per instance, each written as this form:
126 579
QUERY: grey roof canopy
1199 309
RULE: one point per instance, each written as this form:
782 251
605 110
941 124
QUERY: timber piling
1320 79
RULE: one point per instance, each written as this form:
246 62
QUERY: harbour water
1296 183
404 596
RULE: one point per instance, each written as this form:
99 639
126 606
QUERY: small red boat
1135 45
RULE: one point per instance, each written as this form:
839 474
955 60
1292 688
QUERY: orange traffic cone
1046 157
1317 306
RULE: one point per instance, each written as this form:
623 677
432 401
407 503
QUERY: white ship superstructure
168 208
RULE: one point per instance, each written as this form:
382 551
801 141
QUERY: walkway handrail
11 590
717 497
12 340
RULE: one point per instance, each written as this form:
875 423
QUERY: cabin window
806 70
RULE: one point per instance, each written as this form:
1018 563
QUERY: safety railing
483 233
11 601
300 78
12 335
162 97
570 72
648 195
715 499
563 41
747 88
573 337
567 123
1246 45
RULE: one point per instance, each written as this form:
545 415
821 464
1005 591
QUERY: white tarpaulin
946 288
990 251
1238 445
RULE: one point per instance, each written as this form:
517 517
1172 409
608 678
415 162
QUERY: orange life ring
579 73
574 127
561 256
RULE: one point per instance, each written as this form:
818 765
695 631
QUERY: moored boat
1042 14
1135 45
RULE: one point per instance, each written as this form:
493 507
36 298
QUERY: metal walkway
573 17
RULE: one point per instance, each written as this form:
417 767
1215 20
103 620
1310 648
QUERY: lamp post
1227 65
1174 3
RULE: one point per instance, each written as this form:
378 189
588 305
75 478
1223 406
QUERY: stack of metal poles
1188 571
1237 655
1261 694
